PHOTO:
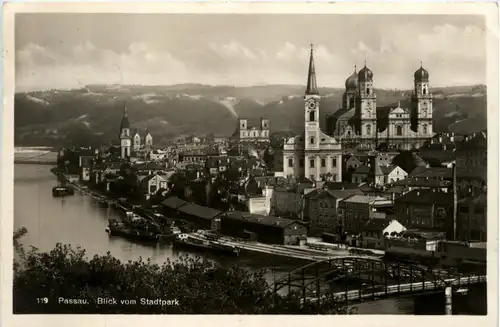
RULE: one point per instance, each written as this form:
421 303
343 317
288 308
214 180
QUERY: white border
489 10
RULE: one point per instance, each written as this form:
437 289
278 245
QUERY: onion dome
421 75
351 83
365 75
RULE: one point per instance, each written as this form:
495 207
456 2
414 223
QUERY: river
80 222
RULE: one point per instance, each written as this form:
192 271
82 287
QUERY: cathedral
132 141
312 154
361 124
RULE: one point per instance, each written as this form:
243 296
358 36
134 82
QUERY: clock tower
422 104
125 136
312 131
366 104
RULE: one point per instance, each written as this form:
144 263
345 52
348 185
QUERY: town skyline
261 50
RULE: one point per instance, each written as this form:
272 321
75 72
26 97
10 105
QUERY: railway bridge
355 278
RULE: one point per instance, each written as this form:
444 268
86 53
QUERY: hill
92 114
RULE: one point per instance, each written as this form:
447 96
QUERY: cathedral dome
365 75
351 83
421 75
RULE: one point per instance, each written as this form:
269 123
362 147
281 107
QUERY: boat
184 241
62 189
116 228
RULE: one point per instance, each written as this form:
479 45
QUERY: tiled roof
260 219
340 185
426 197
364 169
363 199
376 225
173 202
423 182
199 211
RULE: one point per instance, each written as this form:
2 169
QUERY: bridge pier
448 298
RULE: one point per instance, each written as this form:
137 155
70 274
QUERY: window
368 91
424 128
311 116
334 162
290 162
323 162
425 91
369 129
311 163
311 140
301 162
399 130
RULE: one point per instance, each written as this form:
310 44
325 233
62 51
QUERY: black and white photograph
252 163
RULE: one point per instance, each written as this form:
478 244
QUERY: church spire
312 88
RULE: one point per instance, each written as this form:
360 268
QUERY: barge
116 228
196 244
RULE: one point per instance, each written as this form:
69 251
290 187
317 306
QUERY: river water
80 222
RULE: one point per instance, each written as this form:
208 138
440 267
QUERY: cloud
232 49
452 53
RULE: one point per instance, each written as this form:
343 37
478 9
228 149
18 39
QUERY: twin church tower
132 141
359 124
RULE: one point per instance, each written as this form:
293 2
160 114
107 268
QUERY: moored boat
184 241
60 191
116 228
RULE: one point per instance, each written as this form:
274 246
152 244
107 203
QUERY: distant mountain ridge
94 112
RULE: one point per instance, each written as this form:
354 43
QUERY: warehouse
265 229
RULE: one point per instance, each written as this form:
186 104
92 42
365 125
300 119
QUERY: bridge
36 158
353 278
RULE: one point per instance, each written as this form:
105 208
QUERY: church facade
312 154
252 133
360 123
131 141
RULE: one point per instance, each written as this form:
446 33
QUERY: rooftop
173 202
260 219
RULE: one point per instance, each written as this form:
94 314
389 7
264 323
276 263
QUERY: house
409 161
356 210
171 204
473 151
322 207
203 217
287 202
376 230
414 239
266 229
472 218
361 174
151 184
426 210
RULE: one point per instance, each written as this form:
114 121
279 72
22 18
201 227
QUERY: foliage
198 285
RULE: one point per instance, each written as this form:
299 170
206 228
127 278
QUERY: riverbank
301 253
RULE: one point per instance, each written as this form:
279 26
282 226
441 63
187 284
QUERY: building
312 154
246 133
140 142
360 123
151 184
125 135
322 207
375 231
426 210
414 239
472 218
266 229
377 173
472 152
356 210
202 217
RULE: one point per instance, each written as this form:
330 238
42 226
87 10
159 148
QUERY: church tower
366 105
125 137
312 132
421 104
351 90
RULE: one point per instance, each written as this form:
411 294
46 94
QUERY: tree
198 286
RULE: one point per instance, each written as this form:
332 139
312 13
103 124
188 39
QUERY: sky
59 51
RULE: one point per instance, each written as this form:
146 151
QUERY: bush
192 285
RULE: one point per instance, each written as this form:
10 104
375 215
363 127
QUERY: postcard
230 163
